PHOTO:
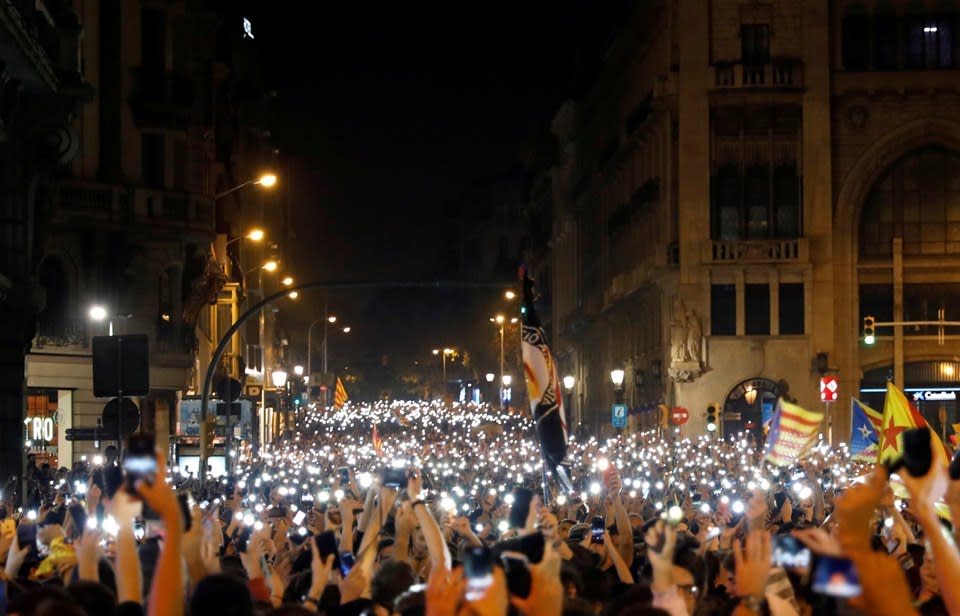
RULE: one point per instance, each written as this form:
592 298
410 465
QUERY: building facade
135 224
744 182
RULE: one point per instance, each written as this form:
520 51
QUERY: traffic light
713 417
869 330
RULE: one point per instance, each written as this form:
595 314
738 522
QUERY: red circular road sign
679 415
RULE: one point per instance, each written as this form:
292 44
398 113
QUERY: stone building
135 224
742 183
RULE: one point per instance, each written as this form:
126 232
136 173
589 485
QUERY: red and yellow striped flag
340 396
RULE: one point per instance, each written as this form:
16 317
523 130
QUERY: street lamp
510 294
490 376
270 266
330 319
293 294
568 382
100 313
279 378
616 377
287 281
298 370
254 235
267 180
505 394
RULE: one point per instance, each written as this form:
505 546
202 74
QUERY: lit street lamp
267 180
506 395
99 313
568 383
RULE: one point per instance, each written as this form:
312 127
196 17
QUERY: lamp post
267 180
279 379
100 313
501 321
616 377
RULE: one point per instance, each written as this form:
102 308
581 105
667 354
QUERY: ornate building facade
743 182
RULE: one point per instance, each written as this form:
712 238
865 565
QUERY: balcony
737 252
68 334
161 99
88 203
781 74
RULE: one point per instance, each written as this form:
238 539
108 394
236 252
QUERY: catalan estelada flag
864 432
900 415
340 396
375 439
792 432
543 389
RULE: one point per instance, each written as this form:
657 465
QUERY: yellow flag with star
899 415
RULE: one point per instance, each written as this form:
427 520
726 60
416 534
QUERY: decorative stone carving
686 344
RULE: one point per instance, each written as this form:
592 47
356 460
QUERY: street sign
253 391
120 413
618 415
828 388
679 415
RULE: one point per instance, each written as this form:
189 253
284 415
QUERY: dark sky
385 113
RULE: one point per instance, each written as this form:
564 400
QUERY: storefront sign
929 395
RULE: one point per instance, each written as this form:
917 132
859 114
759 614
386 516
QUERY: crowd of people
414 509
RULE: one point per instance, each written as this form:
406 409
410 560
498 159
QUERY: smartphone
515 567
139 531
520 508
917 453
344 474
327 545
596 530
277 512
789 553
299 518
140 463
478 567
395 478
835 577
242 538
27 537
530 546
347 561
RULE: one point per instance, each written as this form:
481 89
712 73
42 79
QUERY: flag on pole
375 439
900 415
543 389
864 432
340 396
403 421
792 432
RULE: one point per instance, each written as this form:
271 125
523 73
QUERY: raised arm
167 590
439 554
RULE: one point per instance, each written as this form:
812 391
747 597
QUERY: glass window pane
723 310
791 309
757 309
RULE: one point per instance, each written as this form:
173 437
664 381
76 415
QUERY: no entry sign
679 415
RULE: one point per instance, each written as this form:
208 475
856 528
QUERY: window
876 300
856 42
755 44
791 309
885 42
152 160
917 199
786 201
929 42
756 300
756 186
723 310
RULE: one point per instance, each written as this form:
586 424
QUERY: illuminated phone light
503 526
110 526
238 516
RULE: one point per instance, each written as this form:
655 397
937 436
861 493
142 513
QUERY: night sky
386 114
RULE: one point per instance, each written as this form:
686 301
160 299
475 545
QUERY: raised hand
752 564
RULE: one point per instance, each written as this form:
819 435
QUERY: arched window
918 199
54 320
